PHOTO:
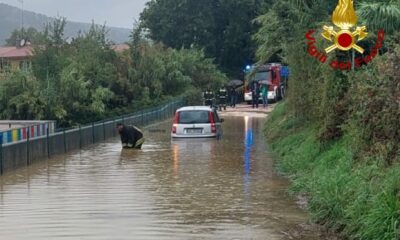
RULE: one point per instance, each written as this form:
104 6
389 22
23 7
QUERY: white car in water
196 122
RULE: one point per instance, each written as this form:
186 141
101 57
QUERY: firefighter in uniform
222 95
208 97
131 136
233 96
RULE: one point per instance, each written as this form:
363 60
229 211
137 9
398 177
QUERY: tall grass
359 199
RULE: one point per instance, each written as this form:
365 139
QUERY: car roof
194 108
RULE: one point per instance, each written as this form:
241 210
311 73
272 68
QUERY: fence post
114 127
48 142
92 132
80 137
104 130
65 141
163 113
1 154
27 146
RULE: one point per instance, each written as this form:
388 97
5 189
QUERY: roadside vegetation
177 48
338 132
85 80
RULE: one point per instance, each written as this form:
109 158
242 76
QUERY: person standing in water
131 136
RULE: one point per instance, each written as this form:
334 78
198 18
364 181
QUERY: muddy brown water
198 189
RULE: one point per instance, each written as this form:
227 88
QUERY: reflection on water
248 143
186 189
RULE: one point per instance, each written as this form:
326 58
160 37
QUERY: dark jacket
232 92
130 135
255 88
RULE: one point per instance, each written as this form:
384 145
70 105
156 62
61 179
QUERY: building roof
16 52
120 47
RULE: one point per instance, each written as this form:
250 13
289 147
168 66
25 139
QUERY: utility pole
22 13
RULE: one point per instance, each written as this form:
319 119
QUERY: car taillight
176 118
213 128
212 121
175 123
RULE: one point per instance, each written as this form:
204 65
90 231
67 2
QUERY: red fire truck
269 74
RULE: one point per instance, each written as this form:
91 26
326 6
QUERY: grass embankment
358 198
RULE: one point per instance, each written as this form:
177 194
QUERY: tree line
222 28
85 80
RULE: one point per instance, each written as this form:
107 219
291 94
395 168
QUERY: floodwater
198 189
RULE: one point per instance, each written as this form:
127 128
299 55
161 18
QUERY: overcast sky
116 13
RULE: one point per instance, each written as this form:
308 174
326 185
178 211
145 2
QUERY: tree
383 15
222 28
20 98
157 70
31 34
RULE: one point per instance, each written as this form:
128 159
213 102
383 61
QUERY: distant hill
10 19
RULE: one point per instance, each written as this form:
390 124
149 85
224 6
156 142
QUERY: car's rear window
192 117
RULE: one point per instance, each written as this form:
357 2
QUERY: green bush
194 97
360 199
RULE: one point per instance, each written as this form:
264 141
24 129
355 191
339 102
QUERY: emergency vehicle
272 74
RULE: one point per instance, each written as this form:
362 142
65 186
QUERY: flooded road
202 189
